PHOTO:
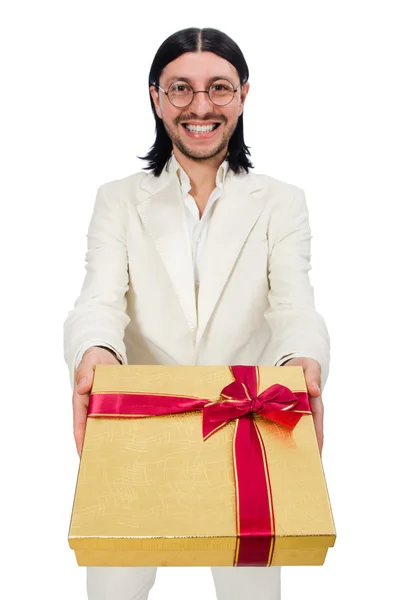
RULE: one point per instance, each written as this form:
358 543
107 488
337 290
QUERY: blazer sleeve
99 314
296 326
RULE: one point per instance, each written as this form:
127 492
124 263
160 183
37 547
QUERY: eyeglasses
181 94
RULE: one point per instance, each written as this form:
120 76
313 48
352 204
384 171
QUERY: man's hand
312 372
82 388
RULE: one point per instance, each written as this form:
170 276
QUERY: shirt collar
175 168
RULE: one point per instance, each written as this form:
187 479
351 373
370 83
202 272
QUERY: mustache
192 117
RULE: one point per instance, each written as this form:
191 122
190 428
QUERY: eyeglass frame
198 92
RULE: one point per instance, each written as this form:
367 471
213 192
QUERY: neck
201 173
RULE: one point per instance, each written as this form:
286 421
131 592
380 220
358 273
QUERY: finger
313 380
81 396
318 426
80 408
317 408
84 377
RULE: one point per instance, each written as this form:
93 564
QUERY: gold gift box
151 492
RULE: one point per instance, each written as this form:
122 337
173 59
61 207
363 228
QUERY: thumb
313 386
315 389
313 380
84 378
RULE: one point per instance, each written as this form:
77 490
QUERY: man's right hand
82 388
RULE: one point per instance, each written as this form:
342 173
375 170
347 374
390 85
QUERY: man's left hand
312 372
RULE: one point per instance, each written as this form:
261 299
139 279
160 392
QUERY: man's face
200 70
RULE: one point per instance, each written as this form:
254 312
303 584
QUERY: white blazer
255 302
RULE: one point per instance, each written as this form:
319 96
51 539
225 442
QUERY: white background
321 114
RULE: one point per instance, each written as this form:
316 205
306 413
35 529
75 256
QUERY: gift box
200 466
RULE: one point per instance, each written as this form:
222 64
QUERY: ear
154 92
244 91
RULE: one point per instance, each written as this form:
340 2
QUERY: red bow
241 398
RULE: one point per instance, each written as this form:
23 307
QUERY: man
199 261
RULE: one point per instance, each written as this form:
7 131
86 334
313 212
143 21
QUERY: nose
201 103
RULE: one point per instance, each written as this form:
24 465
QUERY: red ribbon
255 524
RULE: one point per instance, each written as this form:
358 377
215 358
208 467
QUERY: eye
179 88
220 87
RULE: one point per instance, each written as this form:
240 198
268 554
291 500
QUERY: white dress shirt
198 230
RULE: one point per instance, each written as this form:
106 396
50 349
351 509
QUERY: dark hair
194 39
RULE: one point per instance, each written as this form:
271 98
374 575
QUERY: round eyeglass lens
221 92
180 94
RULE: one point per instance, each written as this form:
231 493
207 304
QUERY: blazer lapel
234 216
163 215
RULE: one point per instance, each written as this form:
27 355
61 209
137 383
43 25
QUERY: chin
200 153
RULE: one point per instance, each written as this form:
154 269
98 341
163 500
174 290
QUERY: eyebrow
188 80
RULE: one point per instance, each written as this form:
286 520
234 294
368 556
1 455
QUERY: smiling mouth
200 128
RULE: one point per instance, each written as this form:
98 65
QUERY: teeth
201 128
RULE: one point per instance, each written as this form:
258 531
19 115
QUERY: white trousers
231 583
